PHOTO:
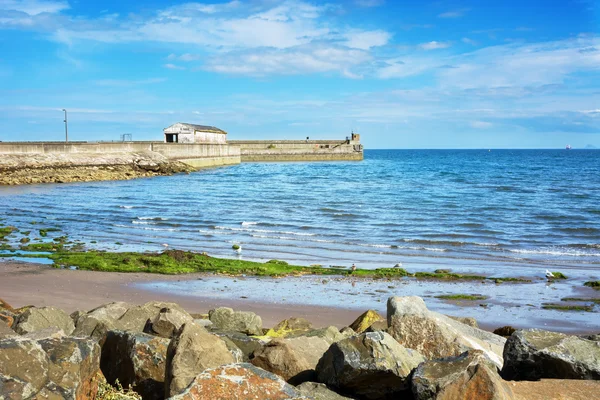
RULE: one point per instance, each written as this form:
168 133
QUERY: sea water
506 211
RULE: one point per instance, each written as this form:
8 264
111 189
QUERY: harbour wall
299 150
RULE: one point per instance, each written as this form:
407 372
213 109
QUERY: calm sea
469 209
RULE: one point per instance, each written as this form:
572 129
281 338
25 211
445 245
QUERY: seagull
549 274
165 245
399 265
239 249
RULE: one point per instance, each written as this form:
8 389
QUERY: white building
190 133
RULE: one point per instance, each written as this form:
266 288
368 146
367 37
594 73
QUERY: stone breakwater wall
299 150
160 351
26 163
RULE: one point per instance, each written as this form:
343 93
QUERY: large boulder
319 391
6 331
226 319
137 360
240 382
331 334
435 335
532 354
56 368
472 375
168 321
365 320
289 326
372 366
36 319
293 359
247 345
191 351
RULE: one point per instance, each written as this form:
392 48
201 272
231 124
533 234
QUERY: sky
403 74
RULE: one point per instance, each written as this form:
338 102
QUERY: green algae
6 231
593 284
582 299
559 275
563 307
469 297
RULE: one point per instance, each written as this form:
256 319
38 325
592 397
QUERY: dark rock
226 319
371 365
472 375
137 360
191 351
532 354
435 335
240 382
505 331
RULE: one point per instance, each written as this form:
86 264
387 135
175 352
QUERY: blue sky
404 74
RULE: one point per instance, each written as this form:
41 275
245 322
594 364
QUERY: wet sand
24 284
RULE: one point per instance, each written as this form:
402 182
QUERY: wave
153 218
248 223
556 252
126 207
225 228
147 228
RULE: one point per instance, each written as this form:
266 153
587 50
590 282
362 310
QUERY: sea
505 211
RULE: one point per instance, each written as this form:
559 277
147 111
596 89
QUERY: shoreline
24 283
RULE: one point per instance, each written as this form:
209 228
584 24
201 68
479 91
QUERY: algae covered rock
191 351
289 326
532 354
365 320
371 365
319 391
435 335
36 319
240 382
471 375
225 318
137 360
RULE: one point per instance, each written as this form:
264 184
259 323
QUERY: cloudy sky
404 74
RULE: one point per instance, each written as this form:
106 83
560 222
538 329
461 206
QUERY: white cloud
453 13
173 66
367 39
469 41
481 124
187 57
434 45
34 7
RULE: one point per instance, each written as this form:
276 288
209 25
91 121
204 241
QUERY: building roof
203 128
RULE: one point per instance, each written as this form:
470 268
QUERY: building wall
299 150
189 135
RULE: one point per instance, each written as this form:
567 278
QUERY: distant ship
569 147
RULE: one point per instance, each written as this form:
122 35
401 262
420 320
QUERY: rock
204 322
137 360
378 326
246 344
471 375
347 332
6 331
365 320
505 331
289 326
97 322
472 322
46 333
293 359
371 365
5 306
240 382
7 318
191 351
226 319
319 391
168 321
111 311
331 334
436 336
35 319
57 368
559 389
532 354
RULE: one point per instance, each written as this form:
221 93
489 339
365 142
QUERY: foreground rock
293 359
137 360
247 345
371 365
57 368
435 335
240 382
533 354
6 331
168 321
469 376
365 320
191 351
226 319
559 389
319 391
37 319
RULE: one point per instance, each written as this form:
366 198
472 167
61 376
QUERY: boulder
471 375
505 331
472 322
331 334
226 319
558 389
289 326
378 326
347 332
435 335
6 331
532 354
168 321
5 306
319 391
293 359
56 368
246 344
240 382
36 319
365 320
371 365
191 351
137 360
97 322
46 333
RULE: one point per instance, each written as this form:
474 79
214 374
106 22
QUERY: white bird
239 249
549 274
165 245
399 265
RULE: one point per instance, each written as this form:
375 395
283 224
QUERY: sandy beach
24 284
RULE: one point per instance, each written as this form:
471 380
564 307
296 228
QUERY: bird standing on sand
549 275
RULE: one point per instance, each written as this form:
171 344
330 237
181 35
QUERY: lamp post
66 127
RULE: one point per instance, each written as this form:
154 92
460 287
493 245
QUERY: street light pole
66 127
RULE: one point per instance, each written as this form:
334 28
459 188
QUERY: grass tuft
558 275
593 284
470 297
582 299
